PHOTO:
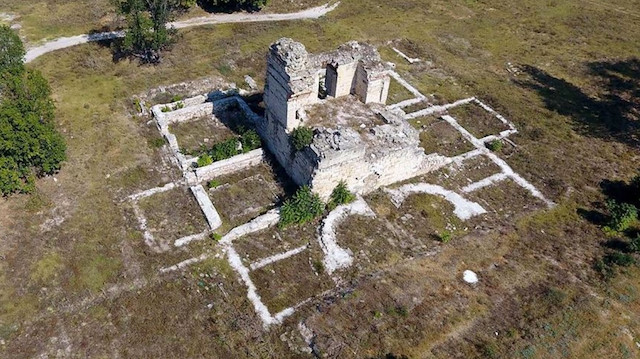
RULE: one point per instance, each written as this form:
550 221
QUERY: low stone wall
189 113
230 165
213 218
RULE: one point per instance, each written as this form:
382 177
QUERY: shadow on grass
227 8
614 113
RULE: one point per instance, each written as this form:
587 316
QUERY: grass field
77 279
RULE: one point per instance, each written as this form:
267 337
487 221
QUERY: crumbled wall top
293 55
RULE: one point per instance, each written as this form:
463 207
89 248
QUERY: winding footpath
64 42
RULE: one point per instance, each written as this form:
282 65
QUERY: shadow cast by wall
613 114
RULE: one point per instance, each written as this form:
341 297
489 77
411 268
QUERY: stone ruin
364 143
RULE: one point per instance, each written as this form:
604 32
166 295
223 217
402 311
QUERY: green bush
445 237
29 143
617 258
176 98
301 137
250 140
156 142
166 109
621 215
495 145
303 207
204 160
213 184
215 236
223 150
340 195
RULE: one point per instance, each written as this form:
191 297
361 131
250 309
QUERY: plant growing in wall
495 145
303 207
250 140
301 137
340 195
204 160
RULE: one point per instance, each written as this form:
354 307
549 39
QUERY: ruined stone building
356 138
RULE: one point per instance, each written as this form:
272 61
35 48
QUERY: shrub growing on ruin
634 244
445 237
621 215
204 160
250 140
30 146
340 195
495 145
301 137
213 184
223 150
303 207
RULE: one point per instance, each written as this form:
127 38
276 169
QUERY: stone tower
291 83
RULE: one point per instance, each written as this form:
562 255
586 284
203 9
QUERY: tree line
30 145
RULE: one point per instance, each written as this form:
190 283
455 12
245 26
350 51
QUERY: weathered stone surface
365 160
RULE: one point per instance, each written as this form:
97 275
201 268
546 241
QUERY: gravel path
64 42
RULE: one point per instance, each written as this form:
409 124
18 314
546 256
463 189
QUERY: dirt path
64 42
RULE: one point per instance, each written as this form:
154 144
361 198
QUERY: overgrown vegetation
495 145
248 140
621 215
621 220
303 207
301 137
340 195
30 146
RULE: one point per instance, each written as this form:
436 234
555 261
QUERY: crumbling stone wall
365 160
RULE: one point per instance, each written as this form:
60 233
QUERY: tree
11 50
147 33
30 146
234 4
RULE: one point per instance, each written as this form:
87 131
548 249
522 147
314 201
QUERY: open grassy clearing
569 55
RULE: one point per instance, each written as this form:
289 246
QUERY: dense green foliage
495 145
147 33
301 137
303 207
340 195
622 215
29 143
246 141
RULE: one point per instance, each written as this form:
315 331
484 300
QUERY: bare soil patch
173 214
288 282
477 120
456 176
273 241
245 195
442 138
